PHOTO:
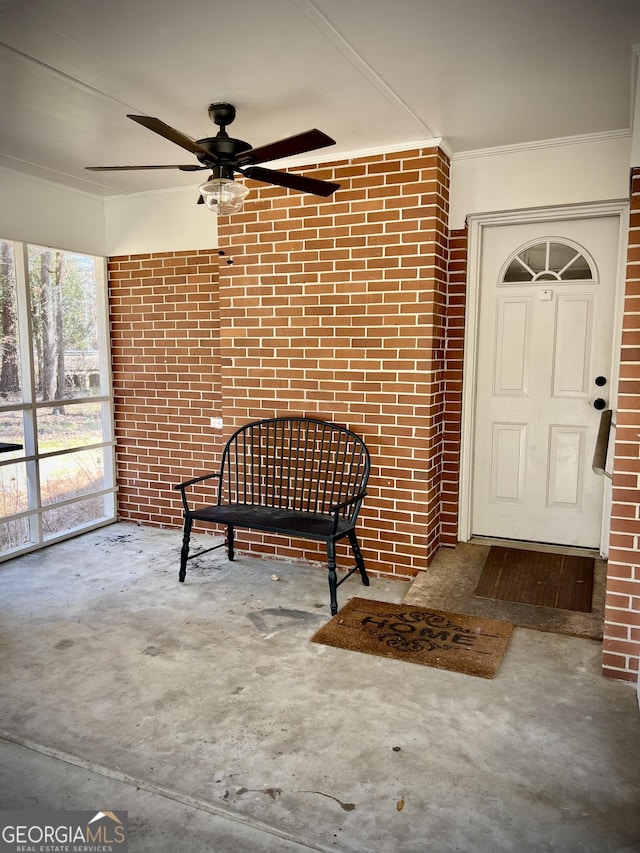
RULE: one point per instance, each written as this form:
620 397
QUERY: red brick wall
166 374
622 618
329 308
336 309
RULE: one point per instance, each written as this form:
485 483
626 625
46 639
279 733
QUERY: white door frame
476 227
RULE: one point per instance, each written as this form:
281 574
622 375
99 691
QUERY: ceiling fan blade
191 168
310 140
171 134
292 182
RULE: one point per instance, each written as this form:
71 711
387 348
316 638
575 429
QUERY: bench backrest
295 463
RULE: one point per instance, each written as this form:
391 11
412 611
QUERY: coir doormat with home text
471 645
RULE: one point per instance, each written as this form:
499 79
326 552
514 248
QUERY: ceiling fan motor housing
224 151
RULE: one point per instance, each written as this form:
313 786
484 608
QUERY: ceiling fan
224 156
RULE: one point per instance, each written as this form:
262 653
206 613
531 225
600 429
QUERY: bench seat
307 525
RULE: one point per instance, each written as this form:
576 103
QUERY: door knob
599 404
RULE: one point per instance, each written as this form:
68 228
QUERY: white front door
543 367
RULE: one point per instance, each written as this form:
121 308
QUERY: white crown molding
38 179
586 138
115 199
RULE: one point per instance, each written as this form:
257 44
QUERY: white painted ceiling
370 73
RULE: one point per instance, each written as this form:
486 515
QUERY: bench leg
230 542
184 553
333 577
357 553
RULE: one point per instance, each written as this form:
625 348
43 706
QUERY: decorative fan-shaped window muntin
548 261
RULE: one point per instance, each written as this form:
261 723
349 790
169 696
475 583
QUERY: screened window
548 260
57 465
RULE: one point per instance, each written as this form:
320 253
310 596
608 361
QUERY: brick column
336 309
621 648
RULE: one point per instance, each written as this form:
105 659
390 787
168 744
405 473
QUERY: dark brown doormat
468 644
532 577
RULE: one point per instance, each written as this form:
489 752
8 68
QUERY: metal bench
298 477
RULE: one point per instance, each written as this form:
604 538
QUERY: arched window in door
548 260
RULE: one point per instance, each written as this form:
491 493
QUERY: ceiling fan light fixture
223 195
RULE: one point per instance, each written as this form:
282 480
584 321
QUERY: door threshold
545 547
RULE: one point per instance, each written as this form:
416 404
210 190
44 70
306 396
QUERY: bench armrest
182 487
336 508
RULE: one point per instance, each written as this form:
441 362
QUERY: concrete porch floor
204 711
